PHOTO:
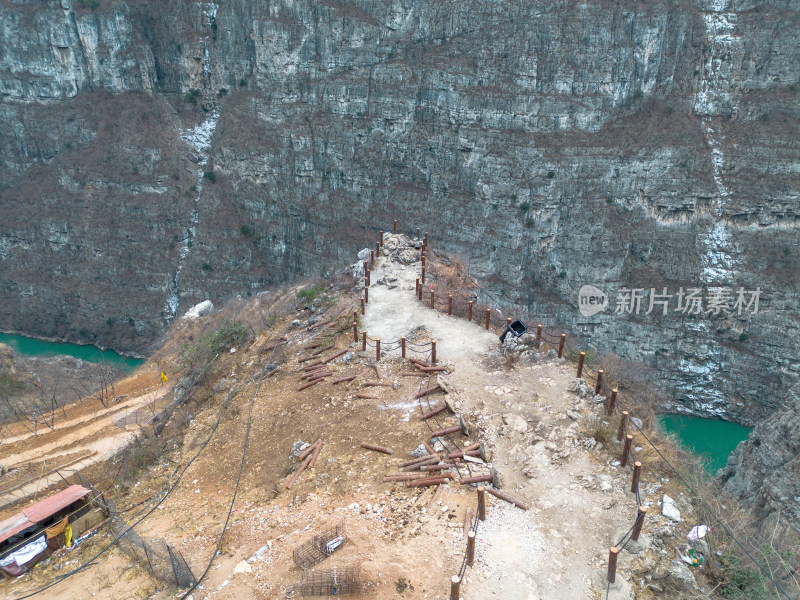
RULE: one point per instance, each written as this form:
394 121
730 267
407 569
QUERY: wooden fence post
482 503
599 387
394 227
378 349
366 278
420 291
450 304
580 364
381 239
469 311
377 248
363 341
433 306
355 331
403 347
538 335
422 259
612 564
621 430
488 317
417 232
372 257
561 345
611 401
416 293
637 468
455 588
433 352
626 450
366 295
641 512
423 275
363 307
470 548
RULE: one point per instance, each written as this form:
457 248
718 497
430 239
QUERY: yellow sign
163 377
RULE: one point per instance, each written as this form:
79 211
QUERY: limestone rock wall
158 154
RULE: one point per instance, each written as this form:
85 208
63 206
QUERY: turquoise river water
28 346
713 439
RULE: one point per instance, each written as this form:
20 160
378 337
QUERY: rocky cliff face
155 154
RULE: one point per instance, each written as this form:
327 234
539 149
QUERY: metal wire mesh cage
337 581
319 547
159 558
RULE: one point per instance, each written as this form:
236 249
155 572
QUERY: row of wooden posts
628 439
455 581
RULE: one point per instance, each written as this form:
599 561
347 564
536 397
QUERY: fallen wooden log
364 372
463 453
507 498
324 349
367 397
416 466
377 448
337 355
421 459
312 346
306 359
316 454
434 412
312 366
343 379
474 446
376 384
428 448
271 373
427 481
318 374
300 469
476 479
378 371
418 362
309 384
430 369
435 467
400 477
308 450
430 390
316 325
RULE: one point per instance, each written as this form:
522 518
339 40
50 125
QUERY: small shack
41 529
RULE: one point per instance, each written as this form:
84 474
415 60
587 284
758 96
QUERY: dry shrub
595 426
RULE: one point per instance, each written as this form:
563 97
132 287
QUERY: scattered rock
514 424
681 576
298 447
670 510
419 451
242 567
198 310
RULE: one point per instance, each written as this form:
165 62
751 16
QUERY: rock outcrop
158 154
764 470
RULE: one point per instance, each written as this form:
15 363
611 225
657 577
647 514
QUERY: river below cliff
27 346
713 439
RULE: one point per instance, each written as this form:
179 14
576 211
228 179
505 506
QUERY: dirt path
533 421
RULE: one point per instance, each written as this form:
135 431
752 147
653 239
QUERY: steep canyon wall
155 154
